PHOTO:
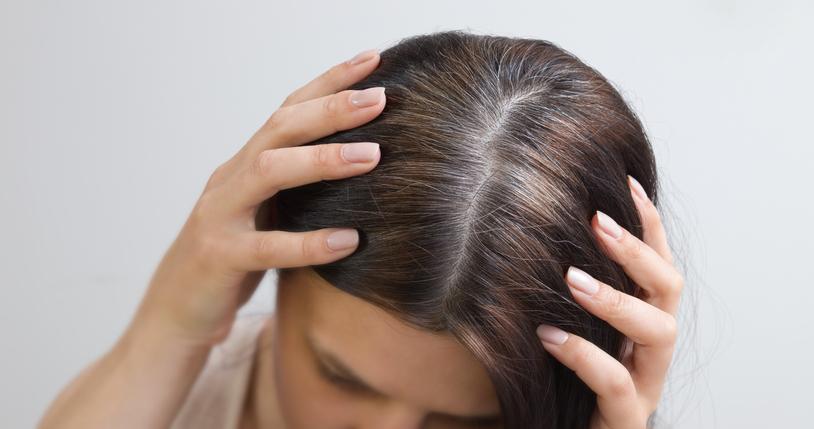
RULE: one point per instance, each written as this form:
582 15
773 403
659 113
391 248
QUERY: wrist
144 348
153 375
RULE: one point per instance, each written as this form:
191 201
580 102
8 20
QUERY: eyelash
341 382
353 387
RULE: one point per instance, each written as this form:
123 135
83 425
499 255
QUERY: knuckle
206 247
263 163
264 249
584 357
205 244
312 246
330 107
620 384
203 207
322 156
614 304
670 329
633 249
217 176
331 73
277 118
676 283
290 98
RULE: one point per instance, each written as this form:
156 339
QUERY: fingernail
582 281
360 152
609 225
367 97
363 57
551 334
637 187
343 239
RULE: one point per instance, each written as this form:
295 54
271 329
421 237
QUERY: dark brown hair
495 154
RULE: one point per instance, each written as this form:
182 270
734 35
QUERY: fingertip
551 335
608 226
342 239
637 188
640 199
367 97
363 57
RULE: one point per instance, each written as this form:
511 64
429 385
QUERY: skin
220 255
395 355
415 378
628 392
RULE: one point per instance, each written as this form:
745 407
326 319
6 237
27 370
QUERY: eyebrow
330 362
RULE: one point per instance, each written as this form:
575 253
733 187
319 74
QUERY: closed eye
345 379
353 387
341 381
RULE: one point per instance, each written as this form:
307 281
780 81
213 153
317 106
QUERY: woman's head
342 362
495 153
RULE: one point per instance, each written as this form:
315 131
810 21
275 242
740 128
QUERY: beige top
218 395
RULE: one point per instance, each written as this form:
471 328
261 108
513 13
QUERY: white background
113 114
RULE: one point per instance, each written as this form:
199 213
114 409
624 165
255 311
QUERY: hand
220 255
628 392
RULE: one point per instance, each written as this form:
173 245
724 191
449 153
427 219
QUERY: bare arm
219 257
138 383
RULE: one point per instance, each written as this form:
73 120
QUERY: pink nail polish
360 152
551 334
637 188
581 281
609 225
367 97
343 239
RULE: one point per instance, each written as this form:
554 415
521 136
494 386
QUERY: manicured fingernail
360 152
637 187
551 334
582 281
343 239
368 97
363 56
609 225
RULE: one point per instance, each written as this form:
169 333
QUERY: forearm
141 382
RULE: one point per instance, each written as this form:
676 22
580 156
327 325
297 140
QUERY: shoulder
216 399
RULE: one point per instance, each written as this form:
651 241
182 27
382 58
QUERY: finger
654 234
660 280
338 77
653 331
311 119
335 79
617 398
283 168
643 323
263 250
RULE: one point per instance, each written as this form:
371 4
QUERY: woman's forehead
418 366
